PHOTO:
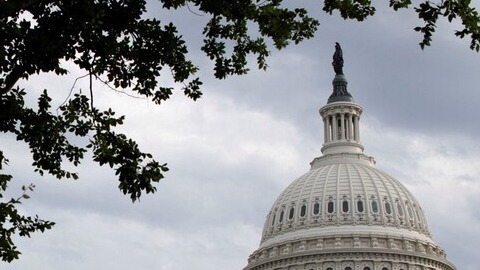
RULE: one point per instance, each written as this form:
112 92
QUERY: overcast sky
232 152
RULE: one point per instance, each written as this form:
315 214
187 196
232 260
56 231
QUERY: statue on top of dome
338 59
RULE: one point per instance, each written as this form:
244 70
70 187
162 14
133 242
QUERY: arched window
360 206
374 206
348 268
316 208
330 207
303 210
345 206
329 268
366 268
388 208
291 213
281 215
273 219
384 268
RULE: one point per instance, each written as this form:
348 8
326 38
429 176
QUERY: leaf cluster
428 11
451 9
11 222
105 38
234 20
47 136
350 9
113 39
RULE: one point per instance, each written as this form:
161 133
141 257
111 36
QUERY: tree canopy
115 42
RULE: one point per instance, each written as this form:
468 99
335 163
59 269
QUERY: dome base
351 259
344 158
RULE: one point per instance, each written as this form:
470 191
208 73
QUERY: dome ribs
338 182
364 195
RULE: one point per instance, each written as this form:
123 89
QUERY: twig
198 14
116 90
71 90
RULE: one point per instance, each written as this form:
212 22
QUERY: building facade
344 214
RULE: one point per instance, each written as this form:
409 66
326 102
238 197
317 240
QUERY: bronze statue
339 83
338 59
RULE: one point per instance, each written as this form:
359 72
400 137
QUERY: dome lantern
341 115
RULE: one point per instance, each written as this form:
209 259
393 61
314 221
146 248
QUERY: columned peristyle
341 123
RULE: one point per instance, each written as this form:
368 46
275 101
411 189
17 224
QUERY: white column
357 131
334 128
342 127
329 129
350 127
325 126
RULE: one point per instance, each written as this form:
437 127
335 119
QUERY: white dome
345 192
345 214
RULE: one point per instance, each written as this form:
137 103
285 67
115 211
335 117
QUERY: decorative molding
355 260
360 249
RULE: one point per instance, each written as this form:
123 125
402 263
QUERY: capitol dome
345 214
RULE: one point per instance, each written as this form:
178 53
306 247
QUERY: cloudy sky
232 152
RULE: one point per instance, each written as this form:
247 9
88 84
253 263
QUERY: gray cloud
232 152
